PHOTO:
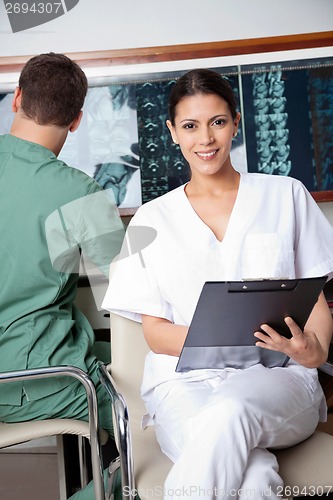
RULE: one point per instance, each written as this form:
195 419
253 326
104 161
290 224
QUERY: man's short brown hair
53 89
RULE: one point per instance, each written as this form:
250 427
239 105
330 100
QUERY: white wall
118 24
327 209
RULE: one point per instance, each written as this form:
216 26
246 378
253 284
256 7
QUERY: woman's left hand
309 347
303 346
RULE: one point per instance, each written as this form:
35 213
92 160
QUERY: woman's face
204 129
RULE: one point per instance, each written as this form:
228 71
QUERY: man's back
39 325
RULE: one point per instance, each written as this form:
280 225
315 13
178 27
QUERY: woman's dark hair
53 89
201 81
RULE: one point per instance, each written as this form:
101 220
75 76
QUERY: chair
15 433
144 467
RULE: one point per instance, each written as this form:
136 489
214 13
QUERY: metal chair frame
123 436
83 377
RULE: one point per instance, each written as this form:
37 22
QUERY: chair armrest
83 377
326 380
327 367
122 432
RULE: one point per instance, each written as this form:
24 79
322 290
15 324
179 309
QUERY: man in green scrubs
48 212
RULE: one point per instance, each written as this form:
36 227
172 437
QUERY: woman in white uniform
217 424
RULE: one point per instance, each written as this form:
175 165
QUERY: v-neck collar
200 223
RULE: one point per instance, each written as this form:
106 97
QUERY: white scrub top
276 230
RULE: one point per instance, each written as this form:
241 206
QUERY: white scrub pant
217 431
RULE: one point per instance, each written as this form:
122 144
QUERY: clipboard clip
262 285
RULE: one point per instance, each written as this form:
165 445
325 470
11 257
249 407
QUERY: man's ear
172 131
76 122
16 103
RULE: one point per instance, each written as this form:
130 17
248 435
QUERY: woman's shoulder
278 182
162 204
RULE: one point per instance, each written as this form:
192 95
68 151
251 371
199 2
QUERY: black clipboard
229 312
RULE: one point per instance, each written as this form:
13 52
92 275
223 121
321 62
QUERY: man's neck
50 136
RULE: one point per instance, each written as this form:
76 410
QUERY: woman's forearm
162 336
320 322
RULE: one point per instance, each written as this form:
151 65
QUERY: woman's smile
207 155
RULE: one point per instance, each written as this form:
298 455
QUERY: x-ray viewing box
228 313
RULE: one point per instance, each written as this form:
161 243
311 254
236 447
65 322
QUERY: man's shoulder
70 179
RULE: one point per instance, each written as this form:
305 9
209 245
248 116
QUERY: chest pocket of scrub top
267 255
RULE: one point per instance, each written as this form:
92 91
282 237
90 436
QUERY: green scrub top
49 214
